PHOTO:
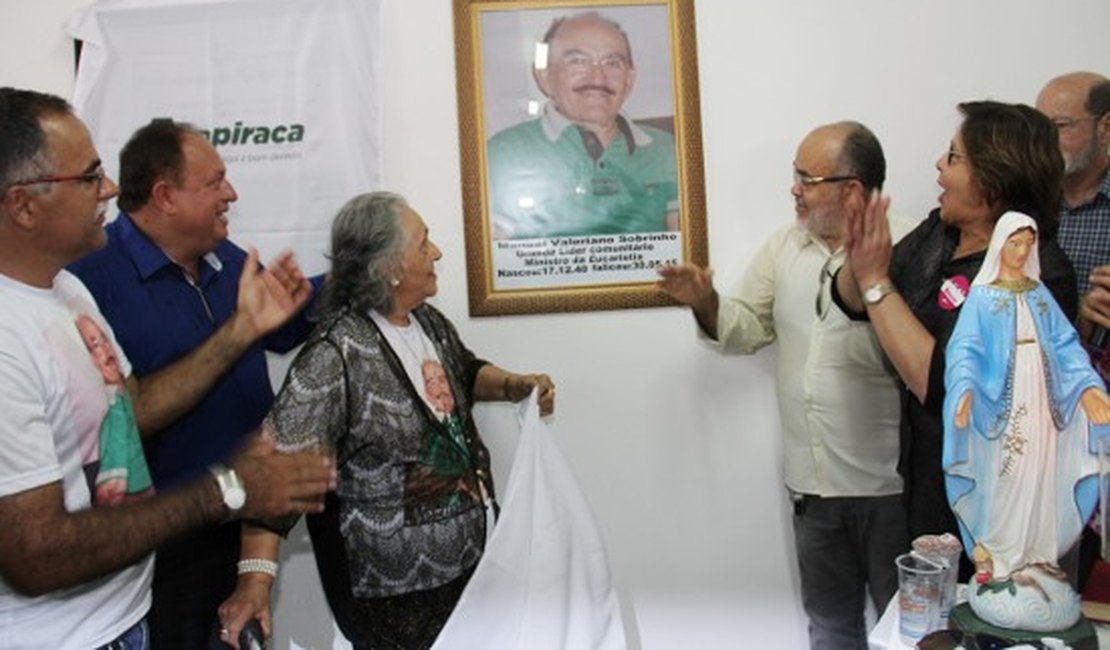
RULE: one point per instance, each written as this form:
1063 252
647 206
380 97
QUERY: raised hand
689 284
268 297
692 285
868 242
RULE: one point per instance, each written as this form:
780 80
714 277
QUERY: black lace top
410 511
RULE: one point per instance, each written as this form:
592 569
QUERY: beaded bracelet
258 565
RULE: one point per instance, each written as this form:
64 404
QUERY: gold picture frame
567 250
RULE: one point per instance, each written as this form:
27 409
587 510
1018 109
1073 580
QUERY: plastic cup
944 550
919 593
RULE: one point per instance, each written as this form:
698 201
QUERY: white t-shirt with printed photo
54 401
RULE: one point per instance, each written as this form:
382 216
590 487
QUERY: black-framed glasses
953 155
802 178
88 178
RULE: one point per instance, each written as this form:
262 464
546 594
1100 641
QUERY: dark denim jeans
846 547
137 637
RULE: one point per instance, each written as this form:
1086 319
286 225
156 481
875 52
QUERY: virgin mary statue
1020 450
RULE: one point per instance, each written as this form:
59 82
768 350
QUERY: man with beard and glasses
582 168
838 403
1078 103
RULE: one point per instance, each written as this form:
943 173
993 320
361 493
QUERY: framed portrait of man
581 160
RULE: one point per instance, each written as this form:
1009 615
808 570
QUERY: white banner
286 90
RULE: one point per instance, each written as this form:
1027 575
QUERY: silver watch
874 294
231 488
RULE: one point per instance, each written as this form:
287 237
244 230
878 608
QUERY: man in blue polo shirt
167 281
583 168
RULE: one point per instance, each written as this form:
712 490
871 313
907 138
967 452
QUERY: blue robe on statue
1029 456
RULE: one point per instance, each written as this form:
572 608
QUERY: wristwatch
874 294
231 488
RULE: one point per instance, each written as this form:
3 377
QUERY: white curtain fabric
544 581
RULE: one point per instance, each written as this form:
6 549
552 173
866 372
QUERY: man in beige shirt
838 404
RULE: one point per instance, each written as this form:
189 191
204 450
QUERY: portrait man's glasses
805 179
88 178
581 63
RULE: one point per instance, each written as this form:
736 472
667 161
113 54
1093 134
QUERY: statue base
1080 636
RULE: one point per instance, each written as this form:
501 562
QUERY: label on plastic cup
919 595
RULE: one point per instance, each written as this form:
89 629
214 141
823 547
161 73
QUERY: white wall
678 449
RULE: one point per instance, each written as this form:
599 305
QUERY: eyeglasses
580 63
802 178
1065 123
953 155
88 178
824 288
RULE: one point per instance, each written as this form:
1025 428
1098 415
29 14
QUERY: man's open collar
554 123
803 238
148 257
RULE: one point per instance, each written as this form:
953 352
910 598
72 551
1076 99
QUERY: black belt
801 500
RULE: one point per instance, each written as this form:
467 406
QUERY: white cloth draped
543 582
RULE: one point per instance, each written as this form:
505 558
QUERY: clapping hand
270 296
868 241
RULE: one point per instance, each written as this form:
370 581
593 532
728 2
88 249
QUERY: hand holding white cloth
543 582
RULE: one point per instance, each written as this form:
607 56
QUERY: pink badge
953 292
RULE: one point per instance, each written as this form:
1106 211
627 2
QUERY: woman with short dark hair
1003 157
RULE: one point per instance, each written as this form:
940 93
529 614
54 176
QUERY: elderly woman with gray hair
385 383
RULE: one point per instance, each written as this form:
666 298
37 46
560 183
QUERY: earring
394 282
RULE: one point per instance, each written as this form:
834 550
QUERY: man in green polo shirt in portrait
582 168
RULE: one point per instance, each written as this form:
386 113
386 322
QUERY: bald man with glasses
1078 103
583 168
839 405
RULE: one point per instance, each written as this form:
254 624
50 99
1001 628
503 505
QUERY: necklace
1017 286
